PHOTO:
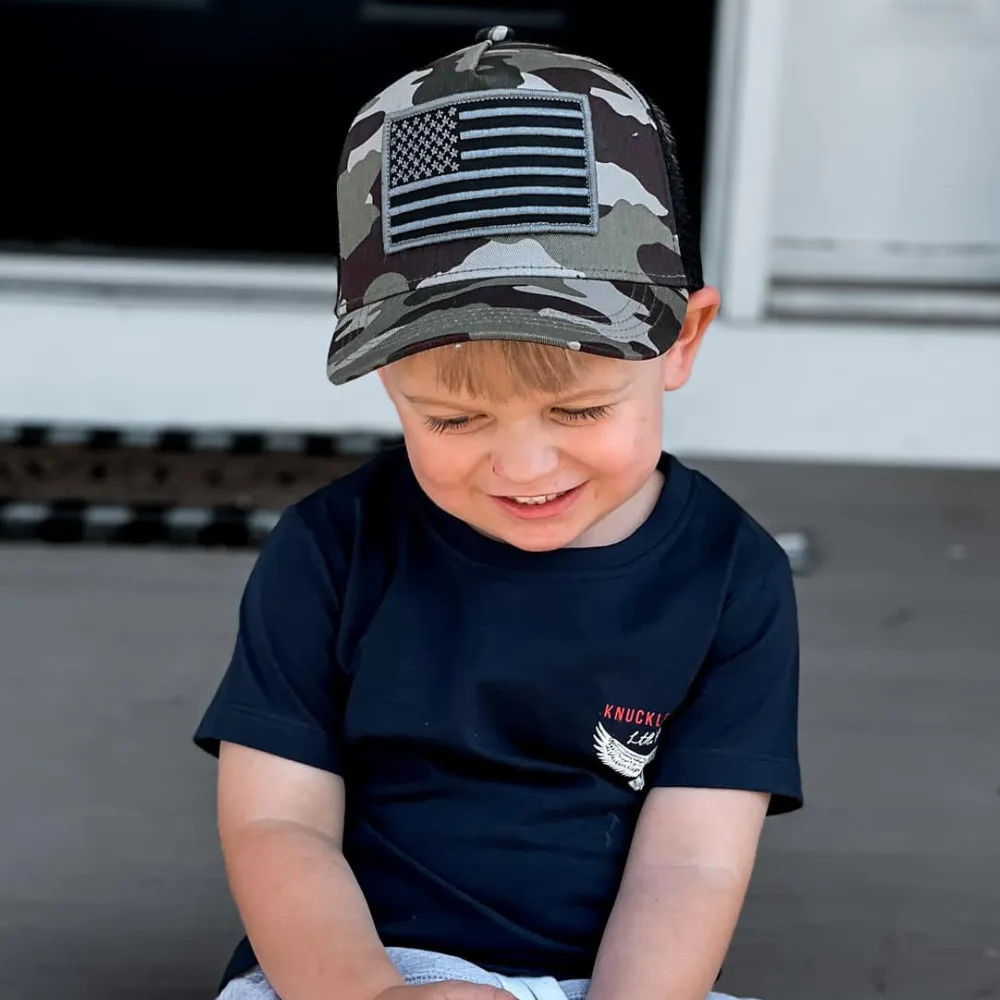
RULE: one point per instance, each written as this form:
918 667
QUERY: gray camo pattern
620 292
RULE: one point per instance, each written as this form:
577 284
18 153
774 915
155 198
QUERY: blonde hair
498 369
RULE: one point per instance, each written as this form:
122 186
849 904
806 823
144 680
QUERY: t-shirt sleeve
283 692
738 725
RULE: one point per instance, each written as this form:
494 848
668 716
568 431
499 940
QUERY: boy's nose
524 460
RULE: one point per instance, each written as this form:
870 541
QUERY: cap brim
621 319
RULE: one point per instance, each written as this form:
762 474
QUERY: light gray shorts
420 967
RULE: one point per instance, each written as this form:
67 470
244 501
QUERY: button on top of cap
498 33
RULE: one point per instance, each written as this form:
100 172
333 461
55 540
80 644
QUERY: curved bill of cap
619 319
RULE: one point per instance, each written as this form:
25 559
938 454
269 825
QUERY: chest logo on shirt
621 757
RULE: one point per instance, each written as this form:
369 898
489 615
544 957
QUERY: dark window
213 127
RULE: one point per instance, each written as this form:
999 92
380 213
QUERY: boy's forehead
422 378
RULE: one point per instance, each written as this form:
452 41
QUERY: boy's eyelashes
441 425
584 413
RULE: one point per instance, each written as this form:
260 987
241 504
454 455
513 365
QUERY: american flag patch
493 163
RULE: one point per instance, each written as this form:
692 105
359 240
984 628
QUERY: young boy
508 707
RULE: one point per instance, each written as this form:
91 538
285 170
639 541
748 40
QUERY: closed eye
441 425
587 413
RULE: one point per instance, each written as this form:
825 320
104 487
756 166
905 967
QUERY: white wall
762 390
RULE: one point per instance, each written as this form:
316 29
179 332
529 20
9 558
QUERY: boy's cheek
442 464
620 446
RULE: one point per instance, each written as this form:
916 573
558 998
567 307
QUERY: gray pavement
886 885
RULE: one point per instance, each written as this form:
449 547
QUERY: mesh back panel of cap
687 235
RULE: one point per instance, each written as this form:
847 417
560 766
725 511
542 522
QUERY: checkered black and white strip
203 527
180 440
71 521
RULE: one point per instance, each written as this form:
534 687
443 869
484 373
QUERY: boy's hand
450 990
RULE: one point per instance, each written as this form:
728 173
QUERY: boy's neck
624 520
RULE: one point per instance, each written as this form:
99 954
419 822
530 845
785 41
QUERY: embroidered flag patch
493 163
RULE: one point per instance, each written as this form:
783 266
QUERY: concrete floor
886 885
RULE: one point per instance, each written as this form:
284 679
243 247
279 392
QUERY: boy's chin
536 537
540 545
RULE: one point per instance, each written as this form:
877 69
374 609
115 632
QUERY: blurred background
168 259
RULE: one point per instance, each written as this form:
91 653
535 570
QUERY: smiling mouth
539 500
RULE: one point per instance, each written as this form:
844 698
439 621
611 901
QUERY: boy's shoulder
723 528
381 483
365 506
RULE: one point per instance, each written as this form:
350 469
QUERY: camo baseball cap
507 191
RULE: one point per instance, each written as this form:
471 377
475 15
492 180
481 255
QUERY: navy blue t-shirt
498 715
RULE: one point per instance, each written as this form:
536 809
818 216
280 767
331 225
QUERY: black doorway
211 128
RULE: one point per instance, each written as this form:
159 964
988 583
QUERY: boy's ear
703 307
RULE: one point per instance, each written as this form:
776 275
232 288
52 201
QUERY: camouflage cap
507 191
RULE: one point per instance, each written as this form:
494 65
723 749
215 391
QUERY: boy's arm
728 755
281 825
687 875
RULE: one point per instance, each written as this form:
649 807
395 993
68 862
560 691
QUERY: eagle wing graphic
614 754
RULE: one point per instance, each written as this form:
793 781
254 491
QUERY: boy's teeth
537 500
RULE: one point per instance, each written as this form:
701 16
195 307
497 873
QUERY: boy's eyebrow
430 400
593 392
